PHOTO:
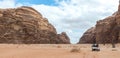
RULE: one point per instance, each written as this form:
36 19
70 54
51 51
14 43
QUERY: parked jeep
95 47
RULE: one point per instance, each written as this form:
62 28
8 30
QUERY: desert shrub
59 46
114 49
75 50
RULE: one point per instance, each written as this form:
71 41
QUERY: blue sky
71 16
46 2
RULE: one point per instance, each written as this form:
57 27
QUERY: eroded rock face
88 36
107 30
26 25
64 38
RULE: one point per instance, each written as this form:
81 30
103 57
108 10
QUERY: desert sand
57 51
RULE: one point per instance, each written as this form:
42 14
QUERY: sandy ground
56 51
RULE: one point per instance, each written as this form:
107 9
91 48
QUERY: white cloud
9 4
72 16
6 3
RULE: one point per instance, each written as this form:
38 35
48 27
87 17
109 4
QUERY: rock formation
106 30
63 38
25 25
89 36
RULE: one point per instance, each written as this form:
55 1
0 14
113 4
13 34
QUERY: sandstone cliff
106 30
89 36
63 38
27 26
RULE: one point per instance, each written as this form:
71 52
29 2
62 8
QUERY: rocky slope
106 30
63 38
89 36
24 25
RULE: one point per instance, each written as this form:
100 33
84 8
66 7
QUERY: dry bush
75 50
59 46
114 49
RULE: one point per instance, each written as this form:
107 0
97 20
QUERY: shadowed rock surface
88 36
106 30
63 38
24 25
